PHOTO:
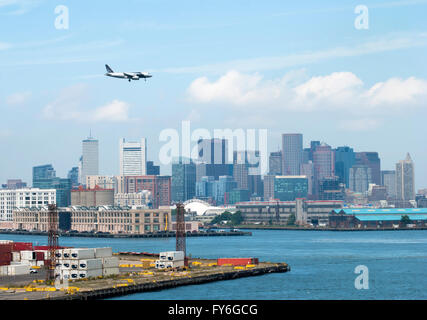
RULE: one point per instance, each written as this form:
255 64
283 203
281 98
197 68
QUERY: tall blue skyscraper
344 159
73 175
183 185
224 185
43 172
44 177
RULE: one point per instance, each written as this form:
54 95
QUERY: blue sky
287 67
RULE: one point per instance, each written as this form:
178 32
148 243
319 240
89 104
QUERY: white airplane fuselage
127 75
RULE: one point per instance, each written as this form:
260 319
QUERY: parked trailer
3 270
110 262
16 256
28 255
90 264
90 273
79 254
31 262
103 252
17 270
171 256
110 271
174 264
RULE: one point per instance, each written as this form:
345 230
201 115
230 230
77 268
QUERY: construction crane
52 241
180 231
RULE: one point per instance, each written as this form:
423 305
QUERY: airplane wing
129 74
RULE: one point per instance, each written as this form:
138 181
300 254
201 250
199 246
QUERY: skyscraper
268 182
405 182
183 185
360 178
43 172
133 158
388 180
292 155
275 163
344 159
371 160
152 170
307 169
73 175
90 158
213 151
221 187
324 165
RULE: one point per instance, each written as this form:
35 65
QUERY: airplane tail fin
108 68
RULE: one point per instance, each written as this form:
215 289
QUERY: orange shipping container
237 261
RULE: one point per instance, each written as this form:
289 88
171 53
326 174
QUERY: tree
233 219
405 220
236 218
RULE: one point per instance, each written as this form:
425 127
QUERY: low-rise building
377 218
96 219
278 212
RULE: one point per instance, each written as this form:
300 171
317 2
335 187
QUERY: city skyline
143 142
326 79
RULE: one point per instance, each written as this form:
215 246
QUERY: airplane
127 75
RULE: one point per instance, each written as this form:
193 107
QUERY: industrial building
29 197
278 212
377 218
92 197
96 219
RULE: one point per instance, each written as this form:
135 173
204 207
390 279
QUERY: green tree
225 216
236 218
405 220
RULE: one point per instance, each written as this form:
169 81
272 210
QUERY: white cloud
398 92
115 111
71 104
342 93
17 99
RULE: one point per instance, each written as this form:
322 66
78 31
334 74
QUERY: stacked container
5 253
110 264
81 263
170 260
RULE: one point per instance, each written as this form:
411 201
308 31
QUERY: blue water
322 263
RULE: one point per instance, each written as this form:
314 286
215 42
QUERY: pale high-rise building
292 153
405 181
90 158
133 158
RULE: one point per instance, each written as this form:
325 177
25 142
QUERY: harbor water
322 264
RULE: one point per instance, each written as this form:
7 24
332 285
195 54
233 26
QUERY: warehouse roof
388 217
367 211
